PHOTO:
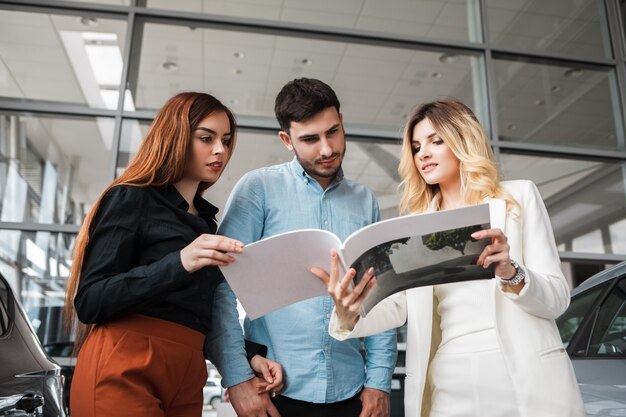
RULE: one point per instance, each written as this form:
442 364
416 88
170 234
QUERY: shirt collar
299 172
205 209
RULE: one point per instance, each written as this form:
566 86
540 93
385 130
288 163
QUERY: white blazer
540 369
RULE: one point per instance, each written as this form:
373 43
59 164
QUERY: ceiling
556 104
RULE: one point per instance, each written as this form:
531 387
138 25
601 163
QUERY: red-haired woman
145 276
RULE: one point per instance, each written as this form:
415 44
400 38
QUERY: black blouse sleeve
253 348
110 286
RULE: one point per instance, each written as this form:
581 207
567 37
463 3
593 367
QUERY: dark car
30 382
62 353
593 330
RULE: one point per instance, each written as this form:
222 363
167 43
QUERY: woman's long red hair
160 162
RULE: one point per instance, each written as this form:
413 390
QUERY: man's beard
314 170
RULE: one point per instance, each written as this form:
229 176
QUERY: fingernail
370 270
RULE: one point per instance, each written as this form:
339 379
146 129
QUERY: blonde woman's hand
209 250
347 300
497 252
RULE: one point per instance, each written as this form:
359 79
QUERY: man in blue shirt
323 376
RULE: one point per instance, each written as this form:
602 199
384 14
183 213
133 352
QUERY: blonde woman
487 348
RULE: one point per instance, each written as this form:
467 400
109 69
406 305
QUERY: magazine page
274 272
425 249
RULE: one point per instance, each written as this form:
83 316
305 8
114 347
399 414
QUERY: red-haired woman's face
210 147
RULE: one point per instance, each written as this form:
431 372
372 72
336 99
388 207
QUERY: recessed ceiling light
511 127
239 54
448 58
306 61
540 102
90 22
436 75
170 66
555 88
233 101
236 71
573 72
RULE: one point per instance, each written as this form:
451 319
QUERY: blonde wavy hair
461 131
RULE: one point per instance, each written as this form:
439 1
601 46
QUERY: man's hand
248 403
375 403
270 371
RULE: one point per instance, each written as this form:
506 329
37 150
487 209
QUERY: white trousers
474 384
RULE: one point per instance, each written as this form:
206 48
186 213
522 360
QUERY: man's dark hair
302 99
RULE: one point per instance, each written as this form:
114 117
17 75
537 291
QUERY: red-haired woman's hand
209 250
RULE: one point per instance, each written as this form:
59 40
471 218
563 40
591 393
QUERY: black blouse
132 262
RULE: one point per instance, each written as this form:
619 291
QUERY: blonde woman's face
210 146
433 158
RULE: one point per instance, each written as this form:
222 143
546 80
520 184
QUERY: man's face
319 144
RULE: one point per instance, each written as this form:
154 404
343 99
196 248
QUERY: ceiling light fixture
170 66
573 72
436 75
306 61
540 102
555 88
448 58
239 54
90 22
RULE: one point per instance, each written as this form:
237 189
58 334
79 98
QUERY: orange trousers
139 366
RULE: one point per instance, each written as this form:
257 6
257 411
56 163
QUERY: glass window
618 237
70 59
376 86
557 105
585 199
52 169
622 6
110 2
609 333
569 322
372 164
570 27
453 20
40 263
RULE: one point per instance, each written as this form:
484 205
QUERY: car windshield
609 333
569 322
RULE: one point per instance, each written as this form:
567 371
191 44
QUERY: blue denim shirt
317 368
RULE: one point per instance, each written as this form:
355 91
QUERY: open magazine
406 252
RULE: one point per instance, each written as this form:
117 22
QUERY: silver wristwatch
518 278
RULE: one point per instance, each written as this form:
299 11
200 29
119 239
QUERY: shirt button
325 348
326 222
328 315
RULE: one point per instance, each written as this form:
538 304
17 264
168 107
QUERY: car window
4 307
569 322
608 338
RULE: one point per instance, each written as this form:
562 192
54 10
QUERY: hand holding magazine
405 252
